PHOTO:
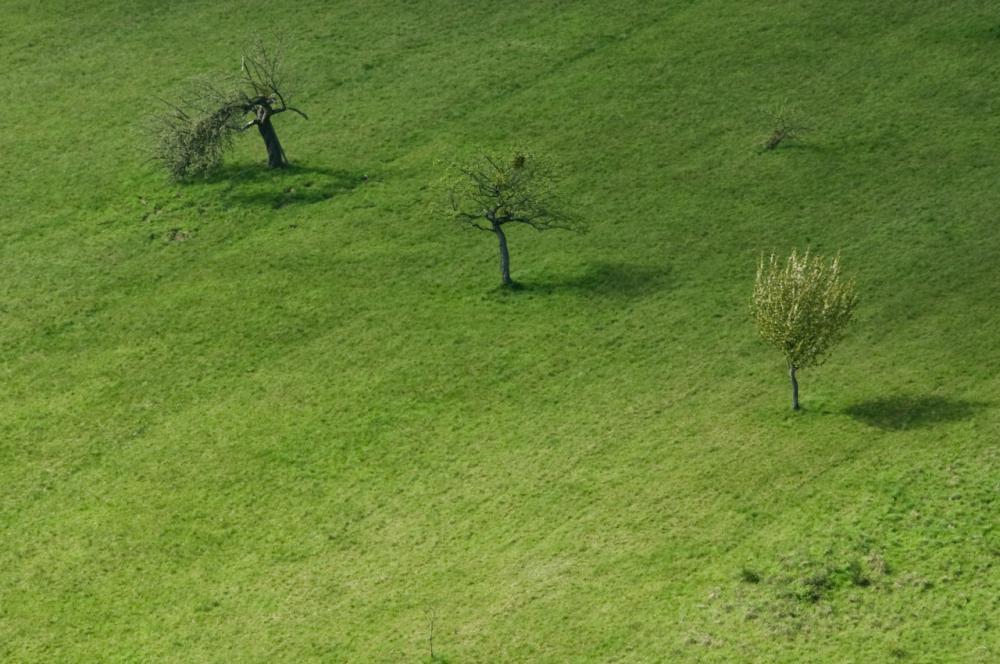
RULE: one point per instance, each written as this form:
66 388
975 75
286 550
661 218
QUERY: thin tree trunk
504 256
776 138
275 155
795 387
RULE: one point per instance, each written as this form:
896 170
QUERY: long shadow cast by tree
246 173
608 279
901 412
250 186
313 189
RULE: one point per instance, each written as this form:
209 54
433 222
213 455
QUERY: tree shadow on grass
794 145
291 195
898 413
236 173
607 279
258 186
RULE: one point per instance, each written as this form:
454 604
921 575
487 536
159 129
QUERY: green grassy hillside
288 416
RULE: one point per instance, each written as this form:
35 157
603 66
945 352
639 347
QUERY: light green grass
314 422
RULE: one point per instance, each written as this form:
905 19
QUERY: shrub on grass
785 123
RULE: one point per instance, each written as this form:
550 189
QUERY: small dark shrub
785 123
856 572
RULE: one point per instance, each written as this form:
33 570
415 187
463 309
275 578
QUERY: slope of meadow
288 416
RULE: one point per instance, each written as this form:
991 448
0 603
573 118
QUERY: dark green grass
290 416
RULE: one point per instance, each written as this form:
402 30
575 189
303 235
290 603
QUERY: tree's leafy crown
802 307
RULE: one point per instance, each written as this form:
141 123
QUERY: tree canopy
494 190
802 308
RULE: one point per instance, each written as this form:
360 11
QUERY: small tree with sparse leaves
492 191
802 307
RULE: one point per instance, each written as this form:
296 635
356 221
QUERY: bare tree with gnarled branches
192 135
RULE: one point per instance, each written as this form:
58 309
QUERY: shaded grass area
288 414
255 188
905 412
607 280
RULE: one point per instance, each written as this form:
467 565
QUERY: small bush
786 125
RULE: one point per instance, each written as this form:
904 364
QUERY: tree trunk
795 387
776 138
504 256
275 155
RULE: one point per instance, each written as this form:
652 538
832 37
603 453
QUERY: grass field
289 416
